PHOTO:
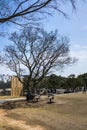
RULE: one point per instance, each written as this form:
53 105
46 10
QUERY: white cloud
79 51
81 55
78 46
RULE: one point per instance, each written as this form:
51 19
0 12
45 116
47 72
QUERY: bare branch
13 11
36 52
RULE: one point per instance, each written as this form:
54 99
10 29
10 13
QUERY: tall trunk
27 84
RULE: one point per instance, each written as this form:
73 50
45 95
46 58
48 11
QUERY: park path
11 99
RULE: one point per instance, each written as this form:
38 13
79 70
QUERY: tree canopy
37 53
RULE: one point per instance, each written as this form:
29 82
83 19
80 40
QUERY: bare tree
24 12
36 53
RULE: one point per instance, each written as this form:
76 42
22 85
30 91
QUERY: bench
50 97
32 97
37 97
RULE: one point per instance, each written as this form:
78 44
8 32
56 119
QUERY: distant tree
24 12
52 81
55 81
83 78
37 53
71 76
80 82
5 81
84 75
70 82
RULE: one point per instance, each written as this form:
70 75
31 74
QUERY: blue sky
76 29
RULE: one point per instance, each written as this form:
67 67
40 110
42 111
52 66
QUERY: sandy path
4 120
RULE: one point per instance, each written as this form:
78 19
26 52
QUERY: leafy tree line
50 82
69 83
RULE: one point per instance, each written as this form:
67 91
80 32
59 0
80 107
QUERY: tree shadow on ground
17 104
24 104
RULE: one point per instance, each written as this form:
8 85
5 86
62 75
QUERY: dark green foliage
70 83
53 82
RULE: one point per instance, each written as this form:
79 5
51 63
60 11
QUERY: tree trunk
29 95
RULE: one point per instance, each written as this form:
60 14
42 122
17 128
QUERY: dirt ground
6 121
67 112
15 124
